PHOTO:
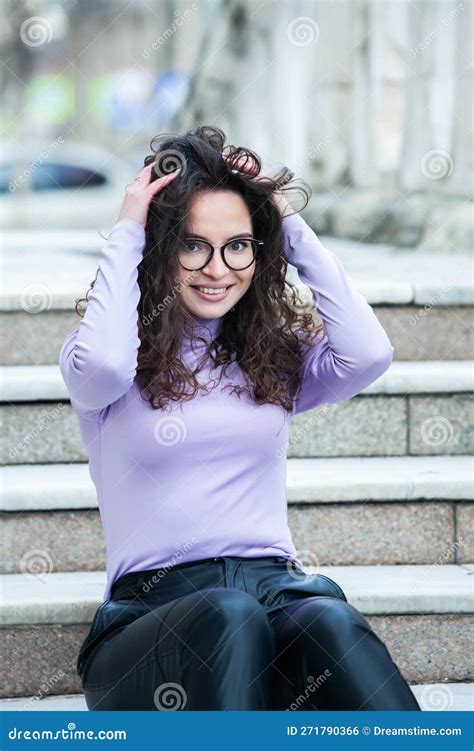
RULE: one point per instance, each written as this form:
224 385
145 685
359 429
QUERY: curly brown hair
267 328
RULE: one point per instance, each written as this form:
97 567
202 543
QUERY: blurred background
370 102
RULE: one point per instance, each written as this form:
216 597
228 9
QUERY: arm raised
355 350
98 360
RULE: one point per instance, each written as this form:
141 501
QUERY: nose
216 267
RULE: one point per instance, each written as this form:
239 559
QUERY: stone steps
423 614
412 509
432 697
44 383
423 408
437 333
391 526
425 304
45 487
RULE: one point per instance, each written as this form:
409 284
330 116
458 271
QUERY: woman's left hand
285 209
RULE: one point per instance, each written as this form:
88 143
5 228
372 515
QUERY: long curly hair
267 328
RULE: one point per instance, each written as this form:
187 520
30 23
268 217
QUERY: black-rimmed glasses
238 254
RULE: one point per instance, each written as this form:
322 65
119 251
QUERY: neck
205 327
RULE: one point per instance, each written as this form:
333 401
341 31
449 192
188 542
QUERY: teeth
212 291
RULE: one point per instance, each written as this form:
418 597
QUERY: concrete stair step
418 332
70 598
413 510
43 383
432 697
42 487
423 408
423 613
427 310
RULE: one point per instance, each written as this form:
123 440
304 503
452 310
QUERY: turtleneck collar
206 327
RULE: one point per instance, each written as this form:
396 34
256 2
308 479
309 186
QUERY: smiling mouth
212 294
221 289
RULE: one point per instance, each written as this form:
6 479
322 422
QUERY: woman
191 357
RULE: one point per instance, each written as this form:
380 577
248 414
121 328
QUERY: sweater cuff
134 225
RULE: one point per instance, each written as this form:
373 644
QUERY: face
216 216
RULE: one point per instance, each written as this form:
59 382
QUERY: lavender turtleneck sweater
207 478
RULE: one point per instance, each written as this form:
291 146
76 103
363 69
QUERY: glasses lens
193 254
239 254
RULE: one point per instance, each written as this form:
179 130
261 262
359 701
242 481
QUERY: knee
235 605
238 611
328 616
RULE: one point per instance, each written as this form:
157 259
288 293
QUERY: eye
193 246
238 244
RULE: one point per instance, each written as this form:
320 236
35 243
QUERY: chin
213 310
209 309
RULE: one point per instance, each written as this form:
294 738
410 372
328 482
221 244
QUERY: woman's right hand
140 193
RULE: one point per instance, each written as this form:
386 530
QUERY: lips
212 296
211 286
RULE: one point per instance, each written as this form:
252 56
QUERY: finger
145 170
142 177
243 162
161 182
231 158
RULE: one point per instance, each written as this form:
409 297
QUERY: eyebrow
234 237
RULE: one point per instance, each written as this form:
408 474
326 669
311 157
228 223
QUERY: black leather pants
234 633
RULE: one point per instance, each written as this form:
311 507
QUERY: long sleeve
98 359
355 349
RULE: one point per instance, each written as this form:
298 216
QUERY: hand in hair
278 198
140 193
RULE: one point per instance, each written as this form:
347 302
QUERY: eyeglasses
237 254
